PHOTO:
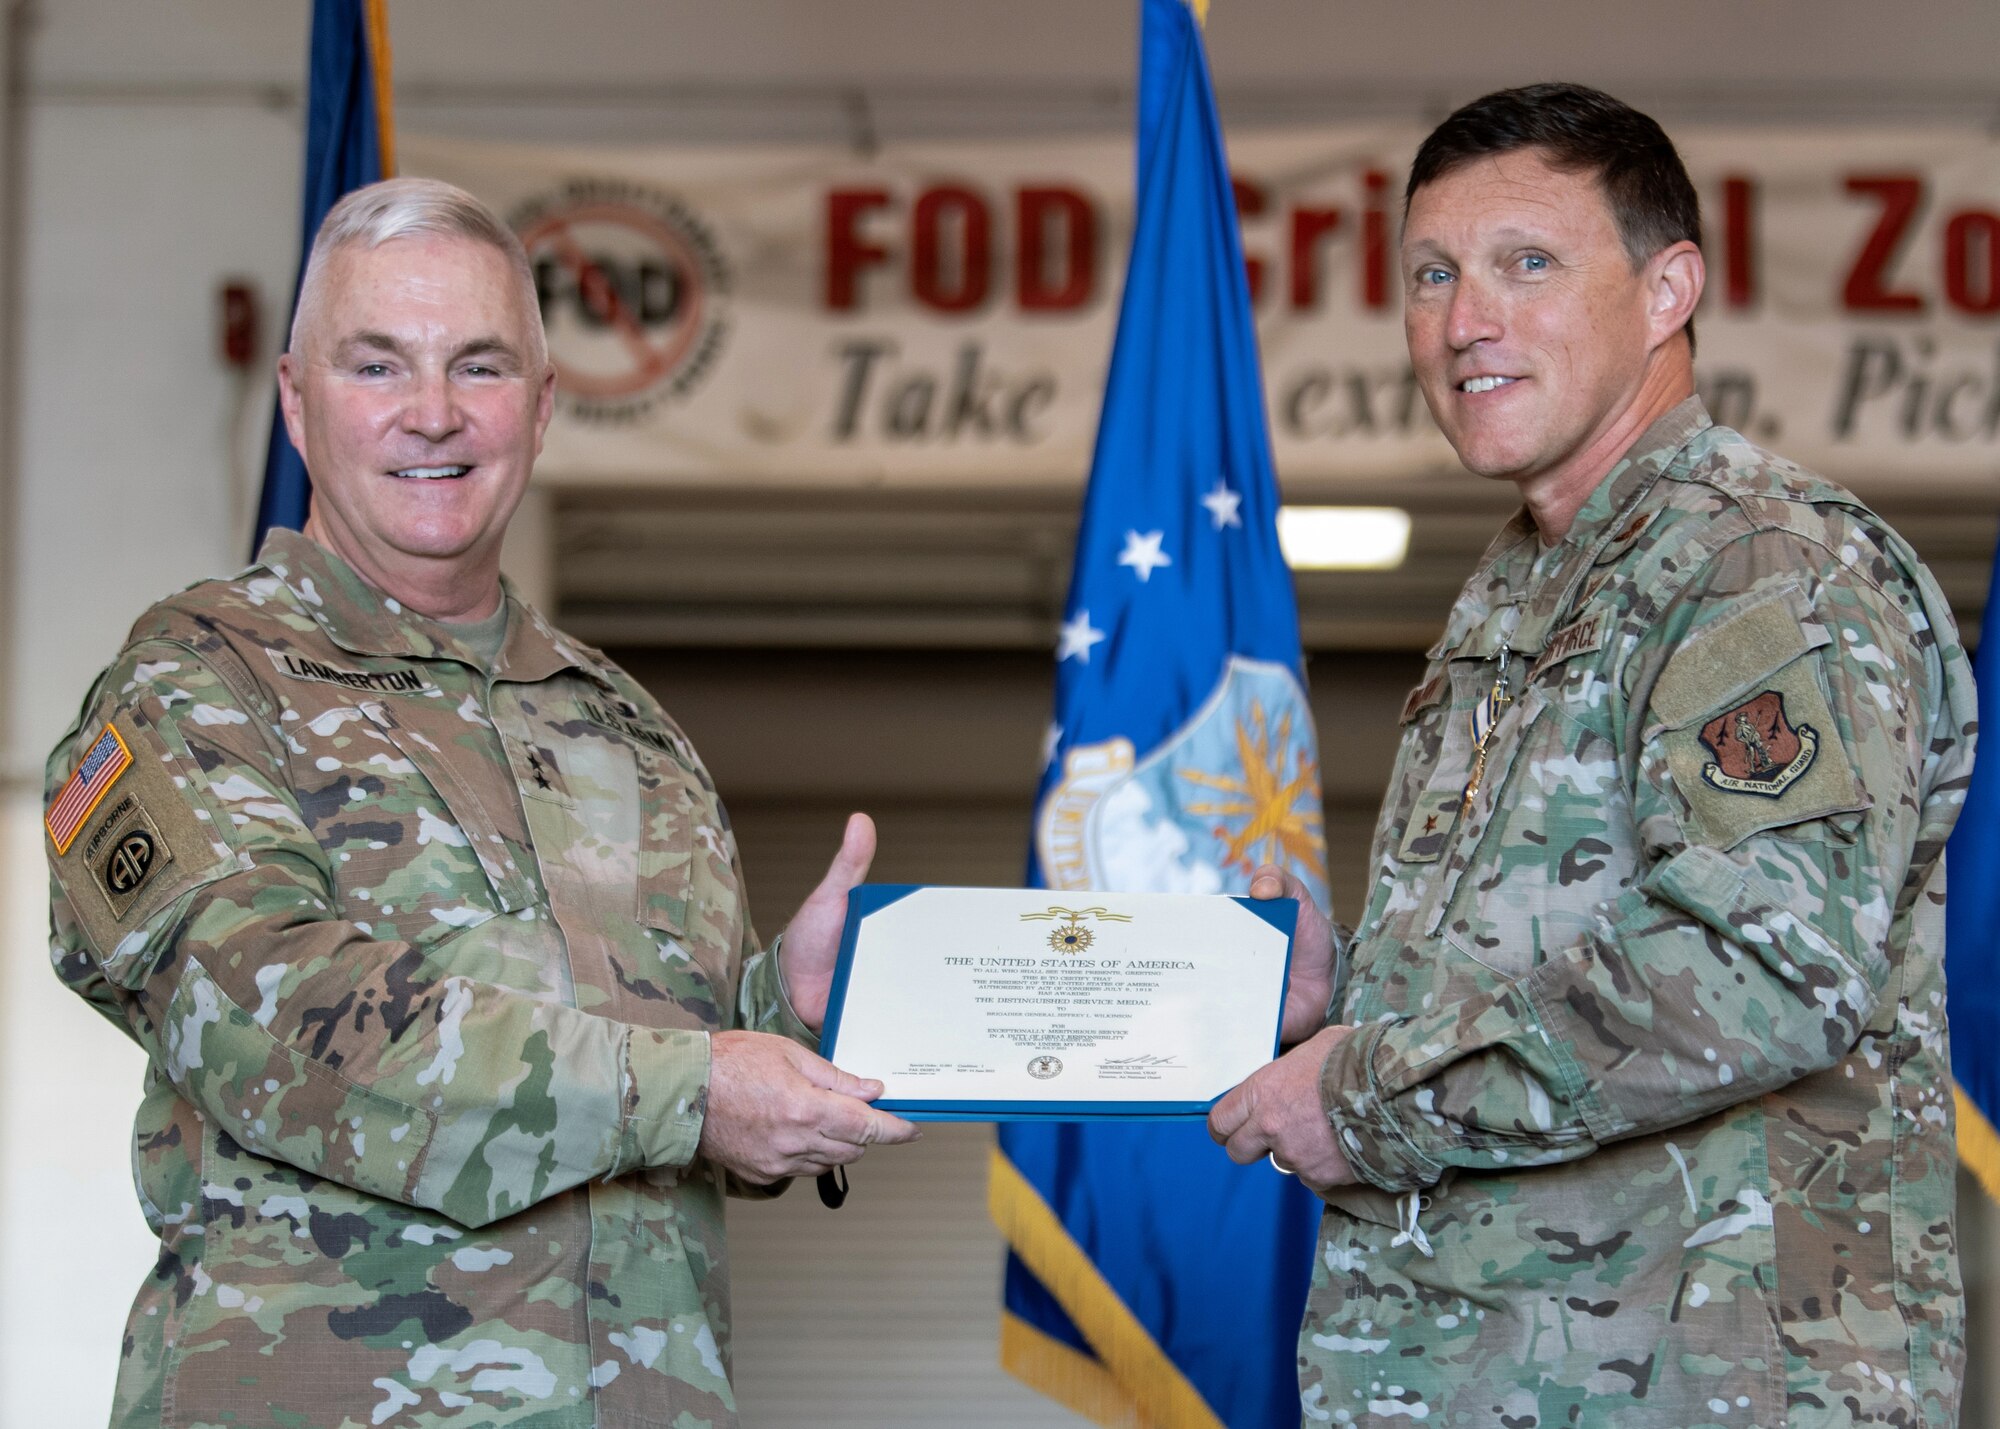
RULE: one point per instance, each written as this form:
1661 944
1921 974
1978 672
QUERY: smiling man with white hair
430 922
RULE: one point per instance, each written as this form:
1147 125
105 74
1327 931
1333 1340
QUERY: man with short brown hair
1634 1107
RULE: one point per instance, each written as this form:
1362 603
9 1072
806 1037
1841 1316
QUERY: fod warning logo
634 293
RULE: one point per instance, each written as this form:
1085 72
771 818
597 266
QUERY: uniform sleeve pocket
129 836
1741 719
666 843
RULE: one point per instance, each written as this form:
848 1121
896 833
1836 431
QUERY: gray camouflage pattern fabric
1650 1087
425 957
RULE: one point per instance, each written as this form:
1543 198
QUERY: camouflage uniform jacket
425 956
1649 1087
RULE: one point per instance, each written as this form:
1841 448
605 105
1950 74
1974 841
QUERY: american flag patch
107 759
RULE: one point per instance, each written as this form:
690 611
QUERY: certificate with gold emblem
998 1004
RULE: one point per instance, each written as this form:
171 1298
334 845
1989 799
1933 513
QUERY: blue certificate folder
870 899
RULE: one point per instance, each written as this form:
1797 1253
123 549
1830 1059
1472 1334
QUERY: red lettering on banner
964 286
1035 211
1250 204
946 237
1867 288
1739 249
847 252
1375 241
1309 227
1972 261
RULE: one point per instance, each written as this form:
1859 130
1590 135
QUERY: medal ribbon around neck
1485 715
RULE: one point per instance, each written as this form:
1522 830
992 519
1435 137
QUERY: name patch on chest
405 681
659 739
1579 637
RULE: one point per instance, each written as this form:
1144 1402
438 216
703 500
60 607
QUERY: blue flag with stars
347 130
1150 1278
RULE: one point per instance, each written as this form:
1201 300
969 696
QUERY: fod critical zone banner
941 314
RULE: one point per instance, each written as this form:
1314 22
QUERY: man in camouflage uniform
430 922
1635 1109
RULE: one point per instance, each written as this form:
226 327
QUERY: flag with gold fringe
350 141
1972 928
1151 1281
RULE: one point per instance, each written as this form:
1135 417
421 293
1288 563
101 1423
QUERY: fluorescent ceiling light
1343 538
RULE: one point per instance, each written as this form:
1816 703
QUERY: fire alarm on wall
239 323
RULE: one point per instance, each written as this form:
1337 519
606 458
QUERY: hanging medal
1485 715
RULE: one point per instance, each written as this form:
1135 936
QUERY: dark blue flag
347 132
1972 927
1149 1273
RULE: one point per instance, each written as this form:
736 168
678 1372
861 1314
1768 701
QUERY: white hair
373 215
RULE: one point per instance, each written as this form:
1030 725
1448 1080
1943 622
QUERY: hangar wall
147 152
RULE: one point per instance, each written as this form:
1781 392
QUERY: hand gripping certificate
999 1004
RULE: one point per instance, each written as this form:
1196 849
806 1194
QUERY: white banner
942 314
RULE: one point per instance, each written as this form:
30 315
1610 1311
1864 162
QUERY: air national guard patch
95 773
1757 749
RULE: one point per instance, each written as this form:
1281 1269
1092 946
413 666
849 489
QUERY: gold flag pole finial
1200 8
380 61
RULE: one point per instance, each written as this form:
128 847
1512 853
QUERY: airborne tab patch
406 681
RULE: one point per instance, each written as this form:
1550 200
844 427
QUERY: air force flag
1152 1280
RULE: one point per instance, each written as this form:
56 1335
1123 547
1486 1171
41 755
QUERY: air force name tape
1580 637
404 681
